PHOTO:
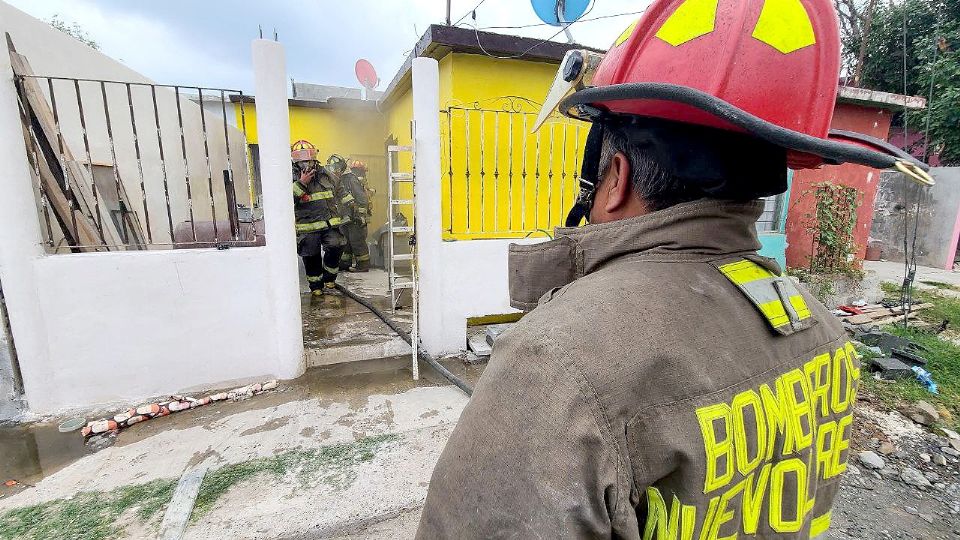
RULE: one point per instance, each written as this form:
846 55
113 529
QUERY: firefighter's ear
616 186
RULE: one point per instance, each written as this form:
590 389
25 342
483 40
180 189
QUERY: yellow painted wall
519 183
500 179
350 133
399 114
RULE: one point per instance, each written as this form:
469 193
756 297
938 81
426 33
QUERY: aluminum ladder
404 228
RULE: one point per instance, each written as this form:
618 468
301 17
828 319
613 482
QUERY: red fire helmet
764 67
303 150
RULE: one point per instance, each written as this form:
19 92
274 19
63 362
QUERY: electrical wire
580 20
469 12
909 252
933 65
476 31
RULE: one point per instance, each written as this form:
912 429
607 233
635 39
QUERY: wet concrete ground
337 329
31 452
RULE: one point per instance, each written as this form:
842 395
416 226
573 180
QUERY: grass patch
890 289
943 356
330 464
941 285
89 515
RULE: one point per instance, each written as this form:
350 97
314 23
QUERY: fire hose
404 335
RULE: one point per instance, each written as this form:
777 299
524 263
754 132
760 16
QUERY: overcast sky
207 42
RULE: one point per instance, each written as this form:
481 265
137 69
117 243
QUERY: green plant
931 49
331 464
73 30
832 225
88 515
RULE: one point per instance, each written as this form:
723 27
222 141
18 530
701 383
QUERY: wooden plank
86 231
178 512
81 184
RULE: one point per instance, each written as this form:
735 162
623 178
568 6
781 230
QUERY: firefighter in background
354 207
318 218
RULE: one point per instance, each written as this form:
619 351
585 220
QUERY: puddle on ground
338 319
30 452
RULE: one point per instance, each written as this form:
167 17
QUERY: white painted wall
457 279
10 404
473 283
273 136
95 328
122 326
53 53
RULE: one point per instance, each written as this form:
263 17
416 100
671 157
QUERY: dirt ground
878 504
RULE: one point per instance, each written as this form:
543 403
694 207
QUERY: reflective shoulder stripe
744 271
336 221
298 189
347 198
775 296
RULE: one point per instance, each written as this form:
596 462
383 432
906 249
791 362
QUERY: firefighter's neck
615 198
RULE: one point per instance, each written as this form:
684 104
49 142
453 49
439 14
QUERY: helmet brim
861 149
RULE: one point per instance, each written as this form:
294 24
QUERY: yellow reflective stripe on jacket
312 226
347 198
298 189
776 297
777 315
318 225
820 524
745 271
321 195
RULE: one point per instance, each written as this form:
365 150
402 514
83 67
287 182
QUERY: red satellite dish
366 74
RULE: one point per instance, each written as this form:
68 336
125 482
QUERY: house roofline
881 100
440 40
330 103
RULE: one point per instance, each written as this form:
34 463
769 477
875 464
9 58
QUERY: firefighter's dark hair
652 182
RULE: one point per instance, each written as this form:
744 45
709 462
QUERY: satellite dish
366 74
559 12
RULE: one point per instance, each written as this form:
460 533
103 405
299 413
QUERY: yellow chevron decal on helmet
785 26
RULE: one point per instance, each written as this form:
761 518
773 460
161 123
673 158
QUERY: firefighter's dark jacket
670 384
354 201
316 205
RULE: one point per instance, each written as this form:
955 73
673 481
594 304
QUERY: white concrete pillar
426 107
273 137
20 240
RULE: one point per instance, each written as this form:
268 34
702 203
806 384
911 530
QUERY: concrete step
356 351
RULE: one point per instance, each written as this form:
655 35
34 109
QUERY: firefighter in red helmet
355 208
315 205
668 381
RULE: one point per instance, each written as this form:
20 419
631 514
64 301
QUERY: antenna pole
448 12
561 8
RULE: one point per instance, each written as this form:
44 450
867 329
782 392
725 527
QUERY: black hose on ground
404 335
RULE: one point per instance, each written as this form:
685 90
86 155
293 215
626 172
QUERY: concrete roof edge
440 40
883 100
331 103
